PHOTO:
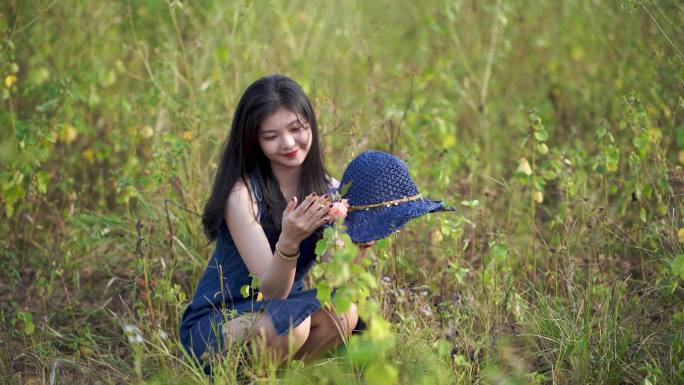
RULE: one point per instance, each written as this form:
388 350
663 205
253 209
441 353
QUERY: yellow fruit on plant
10 80
187 135
577 53
437 237
543 148
68 134
88 155
538 196
449 141
654 135
524 167
147 132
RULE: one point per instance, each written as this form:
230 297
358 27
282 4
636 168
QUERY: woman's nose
288 141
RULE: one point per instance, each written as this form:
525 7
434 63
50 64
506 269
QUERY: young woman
265 213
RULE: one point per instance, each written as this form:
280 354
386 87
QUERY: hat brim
377 223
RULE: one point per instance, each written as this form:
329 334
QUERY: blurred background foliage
554 126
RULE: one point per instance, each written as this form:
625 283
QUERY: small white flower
131 328
135 339
426 311
163 335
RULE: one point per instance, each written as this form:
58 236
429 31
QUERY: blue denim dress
218 298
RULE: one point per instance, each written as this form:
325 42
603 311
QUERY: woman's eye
270 138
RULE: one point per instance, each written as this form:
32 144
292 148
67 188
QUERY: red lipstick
292 154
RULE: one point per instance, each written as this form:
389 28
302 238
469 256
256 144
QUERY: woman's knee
299 334
250 325
339 324
349 319
294 339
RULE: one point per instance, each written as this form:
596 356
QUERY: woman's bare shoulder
240 202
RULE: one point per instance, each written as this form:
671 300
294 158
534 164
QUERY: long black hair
242 154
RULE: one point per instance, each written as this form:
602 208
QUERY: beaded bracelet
288 257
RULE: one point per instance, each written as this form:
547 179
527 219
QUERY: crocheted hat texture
382 196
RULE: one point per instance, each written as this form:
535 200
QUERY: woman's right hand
300 221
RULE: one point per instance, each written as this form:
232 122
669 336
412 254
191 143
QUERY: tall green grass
554 127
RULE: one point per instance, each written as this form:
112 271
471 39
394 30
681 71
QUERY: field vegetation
555 127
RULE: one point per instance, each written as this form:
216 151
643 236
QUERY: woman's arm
276 274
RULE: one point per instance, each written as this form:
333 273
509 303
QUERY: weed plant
555 128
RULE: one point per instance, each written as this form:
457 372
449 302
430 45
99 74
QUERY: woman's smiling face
285 138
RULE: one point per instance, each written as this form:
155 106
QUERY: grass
554 127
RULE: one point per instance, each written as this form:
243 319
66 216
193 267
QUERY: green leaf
381 374
678 266
42 178
679 135
244 290
256 282
362 351
380 330
499 253
321 246
541 135
367 279
342 300
48 106
27 318
382 244
343 189
323 292
461 362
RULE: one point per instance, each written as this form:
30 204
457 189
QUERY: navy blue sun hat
382 196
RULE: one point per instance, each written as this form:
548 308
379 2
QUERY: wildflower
426 311
187 135
133 333
130 328
135 339
339 209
